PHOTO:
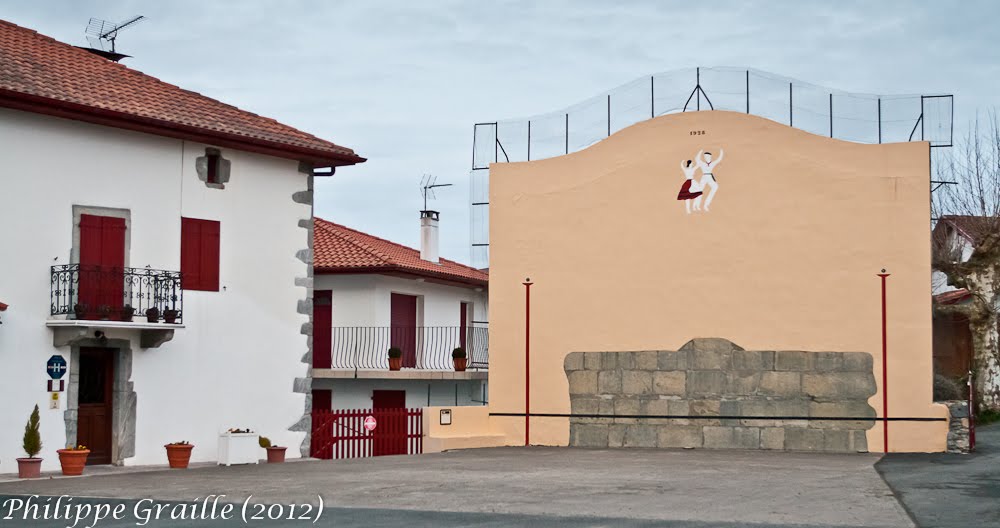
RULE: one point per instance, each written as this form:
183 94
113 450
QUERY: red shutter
199 254
322 328
102 259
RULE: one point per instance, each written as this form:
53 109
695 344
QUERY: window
199 254
213 167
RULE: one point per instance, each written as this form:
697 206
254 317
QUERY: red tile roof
40 74
952 297
339 249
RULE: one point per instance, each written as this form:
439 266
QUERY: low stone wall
762 399
958 426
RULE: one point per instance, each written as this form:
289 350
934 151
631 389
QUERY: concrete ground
941 490
534 486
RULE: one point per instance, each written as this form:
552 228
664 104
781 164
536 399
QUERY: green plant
264 442
946 389
32 437
395 352
458 353
987 416
181 443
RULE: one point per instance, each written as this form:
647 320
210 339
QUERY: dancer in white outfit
707 164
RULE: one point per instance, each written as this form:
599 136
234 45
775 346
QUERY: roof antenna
100 32
427 185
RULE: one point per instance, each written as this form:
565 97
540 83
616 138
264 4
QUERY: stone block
583 382
581 405
711 344
627 406
835 386
637 382
668 360
592 360
706 383
753 360
857 362
859 442
704 408
609 382
827 361
729 408
589 435
679 436
646 361
711 359
780 384
609 360
669 383
640 435
746 438
836 441
742 383
718 437
803 439
655 407
616 435
606 405
573 361
786 360
841 409
772 438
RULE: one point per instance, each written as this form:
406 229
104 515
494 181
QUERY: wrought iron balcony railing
424 347
100 292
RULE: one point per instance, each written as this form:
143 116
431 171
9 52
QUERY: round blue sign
56 367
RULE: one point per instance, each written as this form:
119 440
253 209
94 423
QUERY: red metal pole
885 373
527 360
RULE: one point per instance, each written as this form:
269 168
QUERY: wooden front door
404 327
94 396
102 261
389 409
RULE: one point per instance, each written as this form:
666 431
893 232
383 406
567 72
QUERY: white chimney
429 235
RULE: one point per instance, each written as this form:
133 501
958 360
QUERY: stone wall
958 426
713 394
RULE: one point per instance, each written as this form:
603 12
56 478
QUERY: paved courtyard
535 486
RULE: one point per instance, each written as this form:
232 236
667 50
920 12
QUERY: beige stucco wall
787 259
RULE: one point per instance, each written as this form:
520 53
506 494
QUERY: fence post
831 115
748 91
879 120
529 140
609 115
697 88
652 97
567 132
790 104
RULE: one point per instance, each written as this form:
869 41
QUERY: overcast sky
402 82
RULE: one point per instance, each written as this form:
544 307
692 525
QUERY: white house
371 294
120 193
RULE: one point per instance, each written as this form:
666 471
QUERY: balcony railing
424 347
118 294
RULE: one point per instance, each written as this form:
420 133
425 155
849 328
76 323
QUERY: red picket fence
341 433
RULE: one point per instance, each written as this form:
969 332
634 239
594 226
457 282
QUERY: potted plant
238 446
170 316
104 312
31 467
179 454
458 355
395 358
80 310
73 459
275 454
153 315
127 313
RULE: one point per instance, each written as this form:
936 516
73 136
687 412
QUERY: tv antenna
100 32
427 185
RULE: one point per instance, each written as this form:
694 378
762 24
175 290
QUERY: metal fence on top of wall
862 118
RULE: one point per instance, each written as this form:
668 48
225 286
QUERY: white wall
235 362
357 393
365 300
939 281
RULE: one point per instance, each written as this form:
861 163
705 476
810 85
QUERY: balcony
84 297
362 352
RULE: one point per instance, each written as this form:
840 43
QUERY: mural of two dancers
692 190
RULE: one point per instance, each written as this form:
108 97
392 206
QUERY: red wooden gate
340 433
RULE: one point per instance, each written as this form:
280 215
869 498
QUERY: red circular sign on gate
370 423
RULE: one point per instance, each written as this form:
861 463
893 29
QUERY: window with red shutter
199 254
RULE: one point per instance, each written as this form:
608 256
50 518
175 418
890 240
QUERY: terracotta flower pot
460 364
276 454
29 468
395 363
73 460
179 455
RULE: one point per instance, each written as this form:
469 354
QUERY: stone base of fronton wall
713 394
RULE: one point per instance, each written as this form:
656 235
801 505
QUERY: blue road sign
56 367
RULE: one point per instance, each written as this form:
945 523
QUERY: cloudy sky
402 82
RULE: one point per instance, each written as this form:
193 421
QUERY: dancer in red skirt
690 189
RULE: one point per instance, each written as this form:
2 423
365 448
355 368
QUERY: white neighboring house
370 294
957 233
120 193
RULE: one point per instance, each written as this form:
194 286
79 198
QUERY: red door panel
403 314
463 328
389 409
94 410
322 328
102 263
